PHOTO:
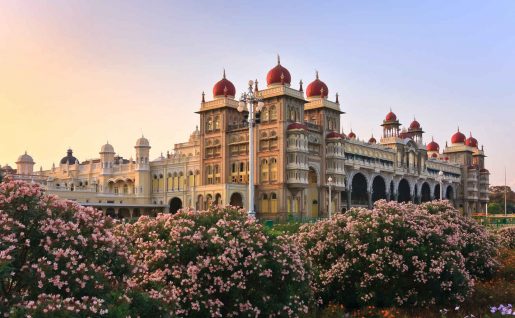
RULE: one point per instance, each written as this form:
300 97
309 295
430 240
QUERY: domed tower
142 154
142 182
25 164
107 159
391 125
415 131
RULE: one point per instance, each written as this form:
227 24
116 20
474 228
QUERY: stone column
387 196
349 197
369 197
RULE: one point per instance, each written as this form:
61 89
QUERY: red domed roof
317 88
334 134
432 146
434 155
414 124
352 135
372 140
391 116
484 170
458 138
293 126
471 141
224 88
278 75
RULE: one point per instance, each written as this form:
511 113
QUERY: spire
300 89
256 85
203 97
316 74
224 73
278 59
458 128
337 101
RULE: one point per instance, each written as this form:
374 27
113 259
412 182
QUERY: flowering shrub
396 254
218 263
507 237
56 257
476 244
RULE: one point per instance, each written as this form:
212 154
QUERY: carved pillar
369 197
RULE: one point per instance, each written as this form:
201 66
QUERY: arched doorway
175 205
404 191
218 199
110 212
136 213
449 193
437 192
312 193
236 200
124 213
392 190
426 192
209 201
378 189
200 202
359 190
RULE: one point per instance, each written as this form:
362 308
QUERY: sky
78 73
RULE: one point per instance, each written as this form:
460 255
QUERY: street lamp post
440 178
247 102
330 184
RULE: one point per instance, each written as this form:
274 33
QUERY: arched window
175 181
264 170
209 174
161 184
191 179
273 202
264 114
273 113
264 203
209 124
292 114
217 174
169 182
182 183
273 169
217 122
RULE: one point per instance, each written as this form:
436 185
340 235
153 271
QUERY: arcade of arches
364 191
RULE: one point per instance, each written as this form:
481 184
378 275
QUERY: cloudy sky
78 73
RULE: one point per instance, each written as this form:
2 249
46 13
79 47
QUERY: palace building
299 144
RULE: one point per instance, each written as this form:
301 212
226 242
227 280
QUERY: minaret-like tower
25 164
142 182
390 125
415 131
107 159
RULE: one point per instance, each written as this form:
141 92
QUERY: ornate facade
299 144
